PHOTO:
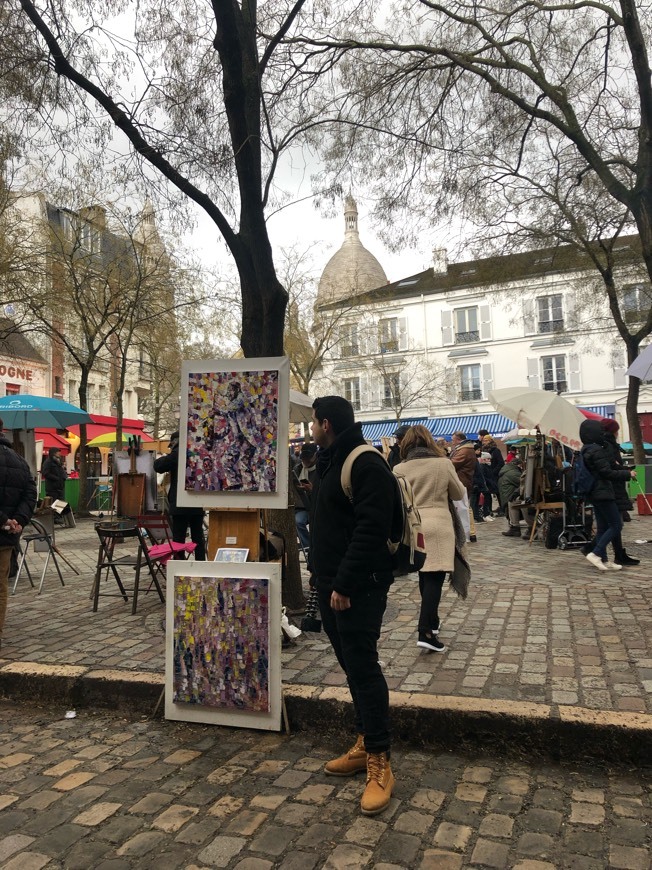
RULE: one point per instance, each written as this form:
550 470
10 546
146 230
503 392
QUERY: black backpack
583 480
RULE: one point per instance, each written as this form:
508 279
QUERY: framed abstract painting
234 424
223 644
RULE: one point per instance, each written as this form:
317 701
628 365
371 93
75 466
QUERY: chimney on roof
94 214
439 261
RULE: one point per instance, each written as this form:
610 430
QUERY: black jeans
354 635
180 523
431 584
609 525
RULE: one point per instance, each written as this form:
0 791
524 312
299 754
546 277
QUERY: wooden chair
107 561
542 506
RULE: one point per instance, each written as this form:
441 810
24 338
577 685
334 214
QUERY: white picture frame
180 574
231 554
248 464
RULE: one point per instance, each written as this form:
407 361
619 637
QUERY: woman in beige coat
434 480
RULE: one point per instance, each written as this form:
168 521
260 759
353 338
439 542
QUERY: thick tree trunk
83 463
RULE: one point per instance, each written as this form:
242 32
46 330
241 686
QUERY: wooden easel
131 486
234 527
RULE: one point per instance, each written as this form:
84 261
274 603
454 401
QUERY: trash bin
71 492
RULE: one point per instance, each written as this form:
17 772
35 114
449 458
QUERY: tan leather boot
380 784
353 761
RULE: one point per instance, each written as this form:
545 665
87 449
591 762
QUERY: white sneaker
488 519
611 566
597 562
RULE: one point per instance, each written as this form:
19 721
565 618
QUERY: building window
349 345
143 364
551 318
90 238
554 373
12 389
58 385
391 390
470 385
466 325
389 330
352 392
636 304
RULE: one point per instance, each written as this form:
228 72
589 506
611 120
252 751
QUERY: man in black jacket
17 503
181 517
352 569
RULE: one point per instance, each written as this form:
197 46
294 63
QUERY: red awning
590 415
51 439
101 425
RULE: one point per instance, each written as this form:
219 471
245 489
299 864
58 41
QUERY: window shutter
364 391
402 333
533 373
447 336
570 313
485 323
529 317
487 379
574 379
363 339
620 378
450 391
374 392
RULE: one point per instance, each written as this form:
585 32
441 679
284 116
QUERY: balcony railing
555 386
546 326
467 337
389 346
470 395
349 350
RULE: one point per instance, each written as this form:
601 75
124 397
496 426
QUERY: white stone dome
353 269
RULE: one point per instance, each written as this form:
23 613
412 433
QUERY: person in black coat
492 471
352 571
394 456
621 557
17 504
598 461
181 517
54 474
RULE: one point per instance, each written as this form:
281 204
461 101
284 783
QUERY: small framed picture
231 554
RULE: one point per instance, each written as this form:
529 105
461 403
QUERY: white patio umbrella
642 365
300 407
553 415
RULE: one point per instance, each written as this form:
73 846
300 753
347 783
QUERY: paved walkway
539 625
110 793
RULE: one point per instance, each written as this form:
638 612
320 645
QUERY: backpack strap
347 467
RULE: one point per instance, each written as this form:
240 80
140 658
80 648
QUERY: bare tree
534 121
212 100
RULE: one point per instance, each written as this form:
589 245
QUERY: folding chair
155 530
107 561
42 536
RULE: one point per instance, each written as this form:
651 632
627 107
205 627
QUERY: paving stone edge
419 719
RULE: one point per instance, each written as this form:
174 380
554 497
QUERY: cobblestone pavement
539 625
111 794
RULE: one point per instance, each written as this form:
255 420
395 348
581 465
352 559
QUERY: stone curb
448 722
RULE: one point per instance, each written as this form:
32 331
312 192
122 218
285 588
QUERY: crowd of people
349 561
344 534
